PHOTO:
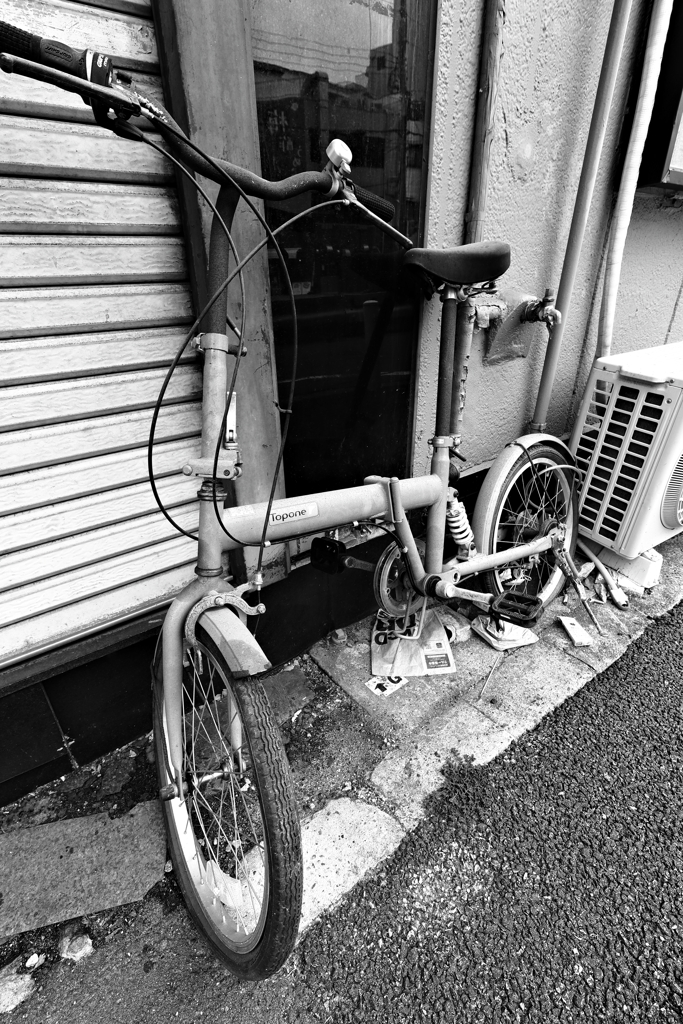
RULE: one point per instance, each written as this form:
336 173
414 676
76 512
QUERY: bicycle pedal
519 609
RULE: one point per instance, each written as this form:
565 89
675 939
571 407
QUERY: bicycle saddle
466 264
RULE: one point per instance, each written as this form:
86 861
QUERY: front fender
243 655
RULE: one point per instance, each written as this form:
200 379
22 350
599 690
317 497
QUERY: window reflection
358 70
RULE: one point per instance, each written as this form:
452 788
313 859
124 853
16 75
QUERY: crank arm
357 563
475 597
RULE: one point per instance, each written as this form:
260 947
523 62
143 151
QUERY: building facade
103 267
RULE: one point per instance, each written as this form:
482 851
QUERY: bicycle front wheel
519 503
234 835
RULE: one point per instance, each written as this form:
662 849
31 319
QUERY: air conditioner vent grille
672 502
616 438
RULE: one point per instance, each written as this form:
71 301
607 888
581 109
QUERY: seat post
463 345
436 517
447 345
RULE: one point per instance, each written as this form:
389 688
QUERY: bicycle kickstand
566 564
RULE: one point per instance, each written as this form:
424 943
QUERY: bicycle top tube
289 518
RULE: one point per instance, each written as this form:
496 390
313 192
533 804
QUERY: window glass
358 70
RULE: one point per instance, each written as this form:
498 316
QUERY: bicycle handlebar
253 184
90 75
123 101
32 47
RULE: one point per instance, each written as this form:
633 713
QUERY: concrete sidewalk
56 869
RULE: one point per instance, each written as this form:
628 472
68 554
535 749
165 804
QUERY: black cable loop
286 412
237 271
295 333
202 314
231 243
233 327
176 360
221 435
270 234
207 306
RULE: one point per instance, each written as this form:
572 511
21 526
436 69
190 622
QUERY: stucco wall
550 70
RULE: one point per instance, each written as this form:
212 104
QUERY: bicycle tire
256 780
524 496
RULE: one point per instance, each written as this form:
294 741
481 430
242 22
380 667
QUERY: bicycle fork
172 664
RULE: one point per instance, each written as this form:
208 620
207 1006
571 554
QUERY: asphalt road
544 886
547 885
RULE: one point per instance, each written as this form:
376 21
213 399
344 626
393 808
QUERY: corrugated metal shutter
93 302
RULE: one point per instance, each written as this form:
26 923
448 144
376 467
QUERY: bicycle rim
234 836
391 590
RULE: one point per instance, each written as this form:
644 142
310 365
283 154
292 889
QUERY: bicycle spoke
537 497
222 822
240 849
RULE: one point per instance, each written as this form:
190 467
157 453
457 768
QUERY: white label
292 513
384 686
288 514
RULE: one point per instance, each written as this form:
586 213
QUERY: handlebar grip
51 52
18 42
382 207
64 58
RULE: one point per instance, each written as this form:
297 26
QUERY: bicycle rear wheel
234 836
518 503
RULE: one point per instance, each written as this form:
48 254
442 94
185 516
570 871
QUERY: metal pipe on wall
656 38
596 137
484 118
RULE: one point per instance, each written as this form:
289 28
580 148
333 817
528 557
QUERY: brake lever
350 197
122 101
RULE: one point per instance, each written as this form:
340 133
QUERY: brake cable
240 337
131 131
295 333
270 235
238 270
174 364
199 318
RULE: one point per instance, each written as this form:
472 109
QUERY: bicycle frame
378 498
215 871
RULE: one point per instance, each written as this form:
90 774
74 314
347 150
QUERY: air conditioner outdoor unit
628 443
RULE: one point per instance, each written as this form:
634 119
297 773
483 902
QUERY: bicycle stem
215 374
